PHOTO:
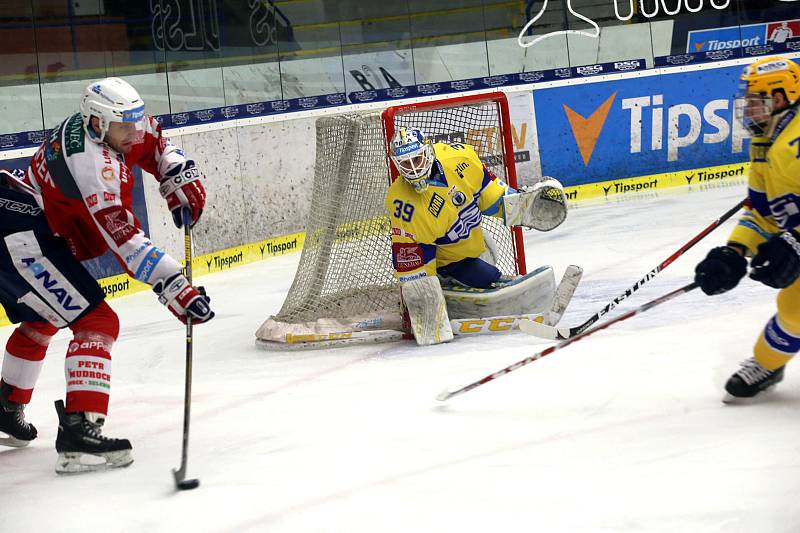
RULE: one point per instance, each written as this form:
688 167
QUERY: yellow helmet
771 73
758 82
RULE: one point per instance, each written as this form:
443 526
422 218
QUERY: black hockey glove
777 262
720 271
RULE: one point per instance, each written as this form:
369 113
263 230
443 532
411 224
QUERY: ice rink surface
623 431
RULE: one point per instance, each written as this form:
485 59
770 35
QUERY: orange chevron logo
587 130
699 46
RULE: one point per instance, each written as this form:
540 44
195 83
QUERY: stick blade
184 484
444 395
543 331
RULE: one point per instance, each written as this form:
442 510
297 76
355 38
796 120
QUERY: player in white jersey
77 204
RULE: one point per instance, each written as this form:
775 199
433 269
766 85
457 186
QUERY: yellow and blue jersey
773 185
441 225
774 206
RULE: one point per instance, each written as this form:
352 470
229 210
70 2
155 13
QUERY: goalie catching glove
542 207
183 299
181 188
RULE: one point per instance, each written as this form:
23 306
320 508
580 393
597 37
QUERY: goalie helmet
110 100
412 153
758 82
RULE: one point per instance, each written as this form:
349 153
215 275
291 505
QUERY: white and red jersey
86 192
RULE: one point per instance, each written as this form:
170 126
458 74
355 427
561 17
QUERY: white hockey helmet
111 100
412 153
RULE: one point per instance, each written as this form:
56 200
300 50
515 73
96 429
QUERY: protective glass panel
20 101
448 39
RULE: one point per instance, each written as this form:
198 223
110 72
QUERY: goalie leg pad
427 311
531 293
543 208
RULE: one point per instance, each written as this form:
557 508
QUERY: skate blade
79 463
730 399
13 442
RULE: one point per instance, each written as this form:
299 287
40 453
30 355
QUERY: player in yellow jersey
768 231
435 213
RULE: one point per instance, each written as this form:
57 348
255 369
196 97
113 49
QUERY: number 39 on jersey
403 211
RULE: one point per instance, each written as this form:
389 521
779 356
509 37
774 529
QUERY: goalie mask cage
345 279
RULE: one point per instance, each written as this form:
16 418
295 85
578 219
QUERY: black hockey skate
750 380
12 421
81 446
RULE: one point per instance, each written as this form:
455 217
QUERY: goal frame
323 308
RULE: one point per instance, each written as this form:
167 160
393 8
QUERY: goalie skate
82 448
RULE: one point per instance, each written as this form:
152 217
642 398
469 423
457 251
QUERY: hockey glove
183 299
720 271
181 188
777 262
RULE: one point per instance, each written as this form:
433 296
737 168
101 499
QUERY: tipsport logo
709 40
655 124
749 35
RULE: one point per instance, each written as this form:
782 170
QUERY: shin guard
87 367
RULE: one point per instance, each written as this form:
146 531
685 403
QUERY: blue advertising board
639 126
726 38
750 35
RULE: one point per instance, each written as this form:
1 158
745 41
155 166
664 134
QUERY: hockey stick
181 483
446 395
548 332
564 292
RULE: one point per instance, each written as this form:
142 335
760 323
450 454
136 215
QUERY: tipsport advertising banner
639 126
711 39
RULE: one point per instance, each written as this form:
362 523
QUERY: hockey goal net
345 280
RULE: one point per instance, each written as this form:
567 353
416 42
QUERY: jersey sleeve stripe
759 202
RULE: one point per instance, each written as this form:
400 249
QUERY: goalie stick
461 327
446 395
547 331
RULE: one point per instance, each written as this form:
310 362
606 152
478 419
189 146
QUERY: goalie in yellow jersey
769 229
435 212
